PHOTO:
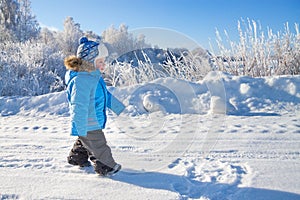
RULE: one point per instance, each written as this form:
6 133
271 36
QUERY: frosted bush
258 53
30 68
188 66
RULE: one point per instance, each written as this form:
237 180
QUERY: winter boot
105 170
79 155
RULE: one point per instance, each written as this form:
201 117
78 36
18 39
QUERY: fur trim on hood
77 64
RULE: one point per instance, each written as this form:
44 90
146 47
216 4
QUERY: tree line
31 57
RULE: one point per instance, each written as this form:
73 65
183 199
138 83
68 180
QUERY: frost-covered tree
16 21
8 22
27 25
69 37
121 41
47 36
92 36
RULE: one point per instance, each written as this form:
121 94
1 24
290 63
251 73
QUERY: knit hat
87 50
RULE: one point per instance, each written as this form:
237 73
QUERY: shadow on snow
189 188
256 114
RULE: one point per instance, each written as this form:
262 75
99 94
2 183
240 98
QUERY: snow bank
49 104
217 93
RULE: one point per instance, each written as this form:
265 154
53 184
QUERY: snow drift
217 93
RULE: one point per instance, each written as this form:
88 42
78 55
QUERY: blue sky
195 19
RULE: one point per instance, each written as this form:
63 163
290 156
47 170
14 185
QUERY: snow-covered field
225 137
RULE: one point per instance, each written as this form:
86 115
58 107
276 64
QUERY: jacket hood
77 64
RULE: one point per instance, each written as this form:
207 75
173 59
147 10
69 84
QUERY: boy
88 100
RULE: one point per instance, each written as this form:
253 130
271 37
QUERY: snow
225 137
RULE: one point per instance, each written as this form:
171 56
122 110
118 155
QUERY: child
88 99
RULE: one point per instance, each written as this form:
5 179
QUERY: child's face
100 64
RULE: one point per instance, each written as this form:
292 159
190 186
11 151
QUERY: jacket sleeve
114 104
79 103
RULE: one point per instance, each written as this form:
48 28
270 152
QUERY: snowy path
181 157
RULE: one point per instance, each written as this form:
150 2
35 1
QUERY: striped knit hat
87 50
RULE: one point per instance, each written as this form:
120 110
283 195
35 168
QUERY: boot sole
115 170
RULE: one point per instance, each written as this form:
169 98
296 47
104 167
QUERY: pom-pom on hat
87 50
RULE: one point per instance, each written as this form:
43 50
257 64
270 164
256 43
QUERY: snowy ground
223 138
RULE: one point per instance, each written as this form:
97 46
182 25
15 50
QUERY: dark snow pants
93 146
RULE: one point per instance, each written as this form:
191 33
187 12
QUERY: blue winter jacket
88 99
